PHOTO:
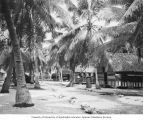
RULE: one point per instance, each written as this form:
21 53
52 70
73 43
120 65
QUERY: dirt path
55 98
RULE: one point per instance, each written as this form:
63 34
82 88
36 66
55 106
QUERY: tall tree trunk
105 77
41 73
36 79
97 85
23 97
14 77
72 78
49 75
36 72
81 78
61 74
31 71
7 82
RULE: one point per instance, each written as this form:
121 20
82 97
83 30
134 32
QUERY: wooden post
105 69
88 81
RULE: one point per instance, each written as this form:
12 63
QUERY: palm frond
83 5
136 38
57 52
135 6
18 11
69 36
70 5
111 13
120 29
96 5
79 54
94 50
79 37
45 16
40 55
116 43
114 37
119 2
64 15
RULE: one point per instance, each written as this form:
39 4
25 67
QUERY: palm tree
133 14
30 18
88 12
136 38
129 29
23 97
34 14
78 45
7 62
23 14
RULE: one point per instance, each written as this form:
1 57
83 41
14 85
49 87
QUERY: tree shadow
120 93
36 88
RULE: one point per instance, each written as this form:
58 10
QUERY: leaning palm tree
30 18
7 63
23 10
23 97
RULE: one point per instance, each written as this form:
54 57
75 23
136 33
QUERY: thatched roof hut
124 62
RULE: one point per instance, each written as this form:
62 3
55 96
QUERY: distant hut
83 73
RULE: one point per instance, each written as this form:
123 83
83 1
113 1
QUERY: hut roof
84 69
124 62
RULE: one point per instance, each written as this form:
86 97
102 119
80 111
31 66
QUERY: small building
127 68
81 73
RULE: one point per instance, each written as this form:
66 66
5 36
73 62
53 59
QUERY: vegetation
78 37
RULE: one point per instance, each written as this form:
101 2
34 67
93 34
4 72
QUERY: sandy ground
56 98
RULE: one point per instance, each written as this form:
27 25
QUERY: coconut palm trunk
61 74
7 82
14 77
105 77
36 79
97 85
23 97
41 73
31 70
72 77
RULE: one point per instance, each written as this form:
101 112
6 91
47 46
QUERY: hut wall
129 79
